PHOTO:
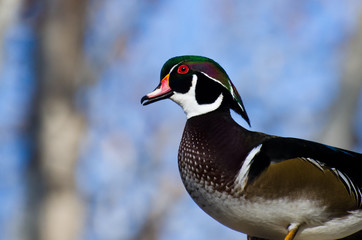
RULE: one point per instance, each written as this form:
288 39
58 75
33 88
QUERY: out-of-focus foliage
285 57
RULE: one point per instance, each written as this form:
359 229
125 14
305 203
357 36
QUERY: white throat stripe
189 103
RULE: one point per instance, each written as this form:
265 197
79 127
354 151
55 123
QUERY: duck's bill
162 91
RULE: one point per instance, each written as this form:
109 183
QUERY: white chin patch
189 104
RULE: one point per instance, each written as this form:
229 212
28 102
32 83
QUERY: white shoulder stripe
242 177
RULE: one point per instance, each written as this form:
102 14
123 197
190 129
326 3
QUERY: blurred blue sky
285 58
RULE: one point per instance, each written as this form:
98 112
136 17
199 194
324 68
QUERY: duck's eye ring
183 69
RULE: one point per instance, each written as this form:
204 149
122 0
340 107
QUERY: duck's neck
212 149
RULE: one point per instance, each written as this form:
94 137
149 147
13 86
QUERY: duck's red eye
183 69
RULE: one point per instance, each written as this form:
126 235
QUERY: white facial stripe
173 67
231 89
214 79
189 103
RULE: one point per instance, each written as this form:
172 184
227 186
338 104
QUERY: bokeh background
80 158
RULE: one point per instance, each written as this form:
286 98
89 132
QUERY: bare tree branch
339 131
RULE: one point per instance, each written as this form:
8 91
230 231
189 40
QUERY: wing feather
346 165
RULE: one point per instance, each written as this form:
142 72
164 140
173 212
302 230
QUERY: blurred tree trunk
9 12
340 130
55 208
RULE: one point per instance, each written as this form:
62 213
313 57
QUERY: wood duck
266 186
